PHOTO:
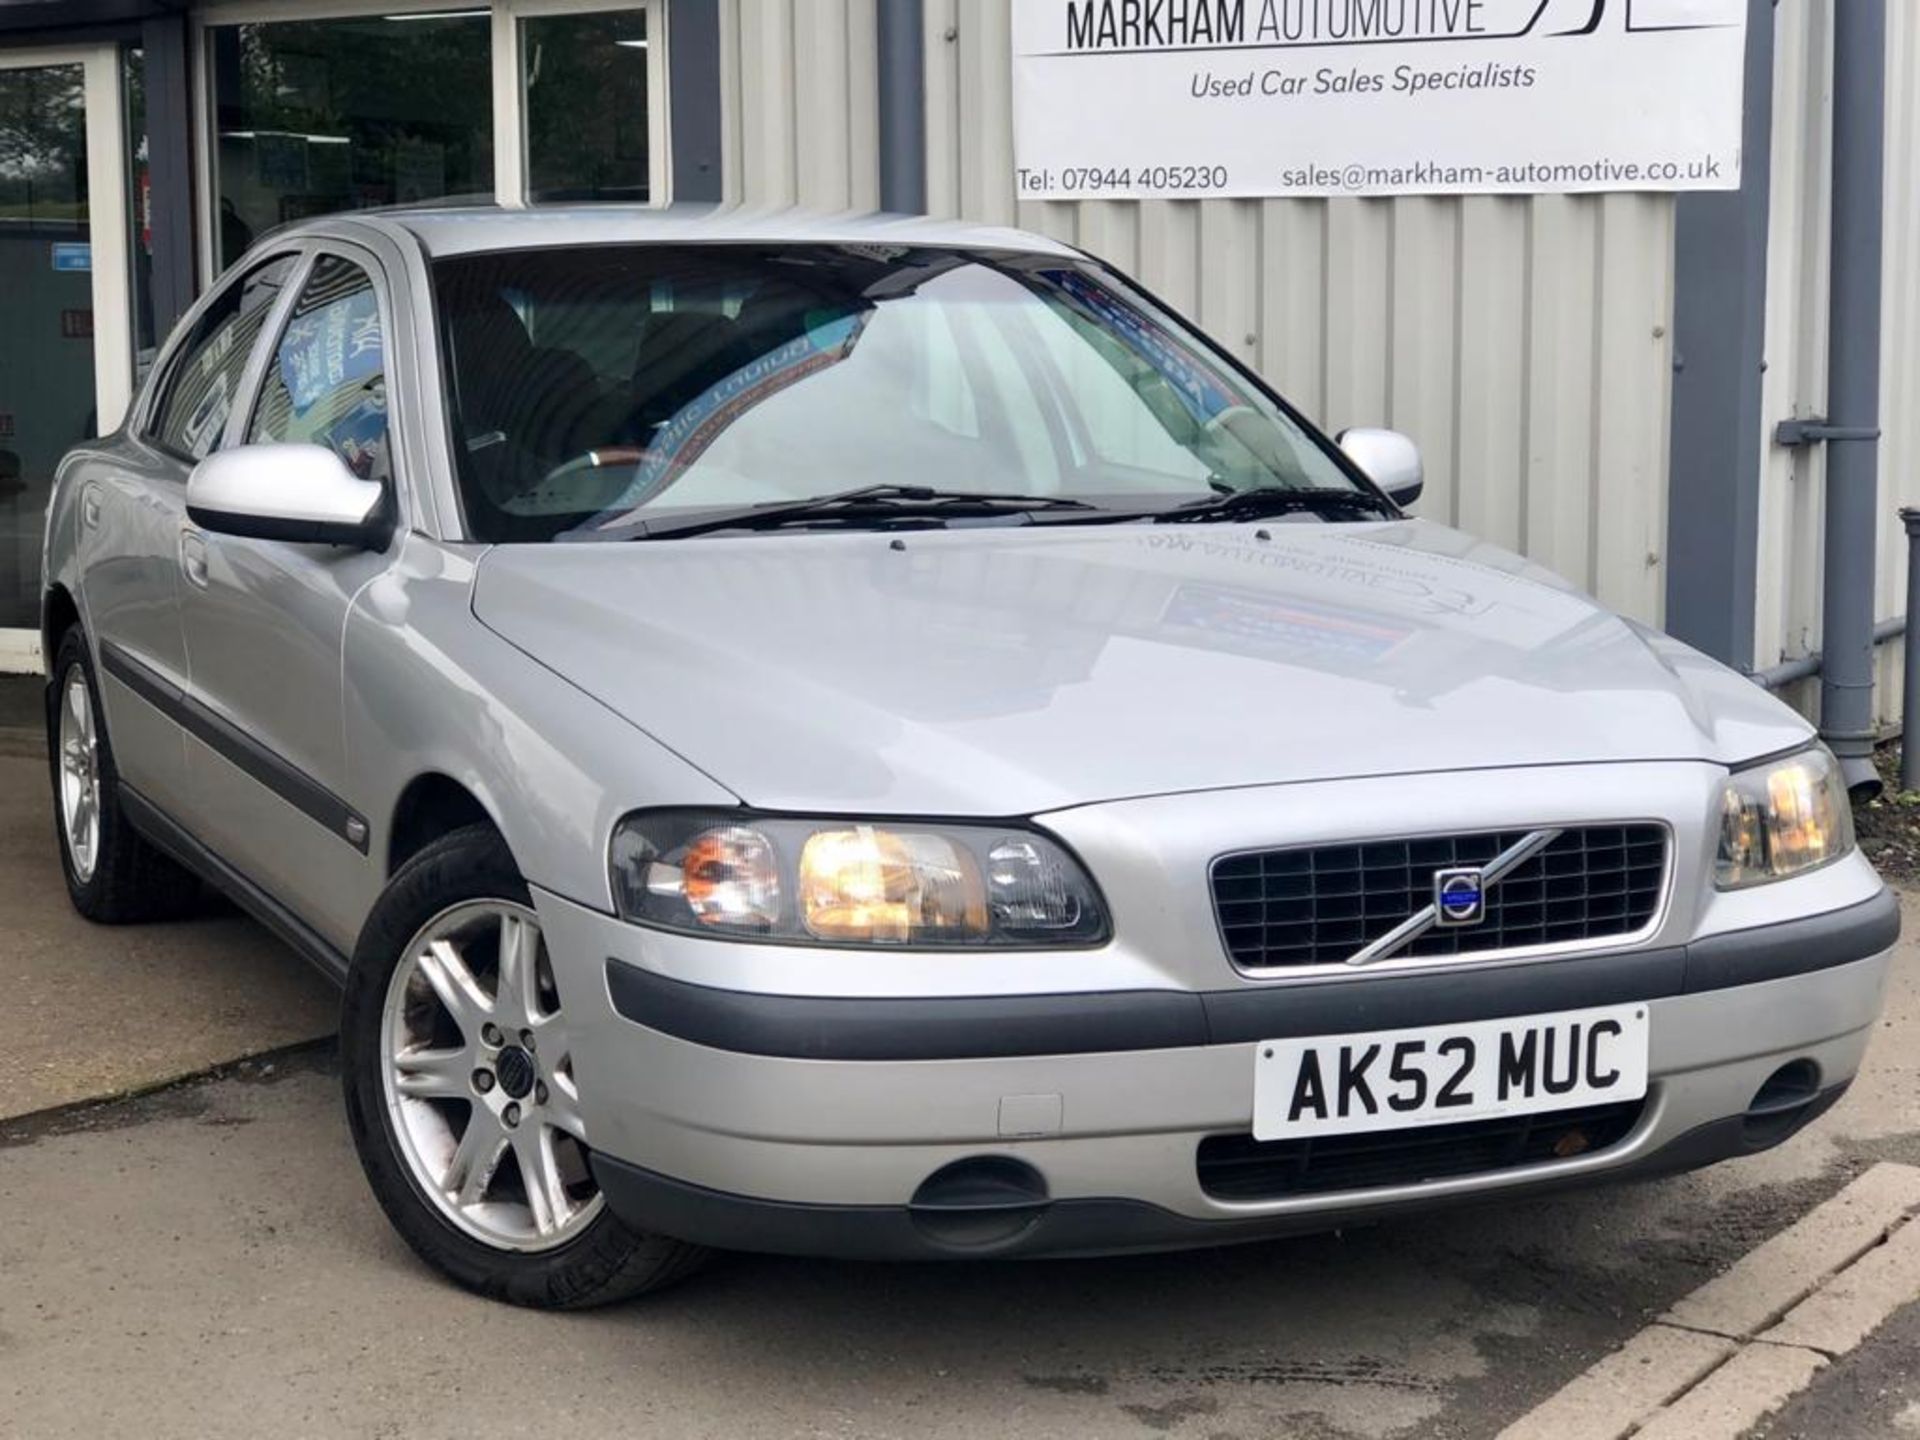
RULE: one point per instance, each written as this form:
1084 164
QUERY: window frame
145 417
509 91
458 522
253 379
510 170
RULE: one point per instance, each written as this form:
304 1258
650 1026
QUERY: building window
584 79
316 116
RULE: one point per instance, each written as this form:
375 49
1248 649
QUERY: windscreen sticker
681 441
1191 378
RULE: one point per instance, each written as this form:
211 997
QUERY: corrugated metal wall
799 103
1787 619
1523 342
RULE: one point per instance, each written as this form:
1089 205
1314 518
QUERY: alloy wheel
478 1076
79 775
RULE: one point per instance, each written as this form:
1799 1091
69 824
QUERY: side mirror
303 494
1389 459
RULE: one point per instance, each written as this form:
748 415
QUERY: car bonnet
1009 671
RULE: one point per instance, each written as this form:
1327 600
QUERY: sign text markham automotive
1155 98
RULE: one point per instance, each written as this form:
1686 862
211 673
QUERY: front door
265 620
66 349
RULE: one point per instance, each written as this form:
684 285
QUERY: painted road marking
1655 1366
1700 1373
1841 1313
1757 1381
1760 1286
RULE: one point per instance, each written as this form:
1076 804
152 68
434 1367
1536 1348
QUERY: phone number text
1092 179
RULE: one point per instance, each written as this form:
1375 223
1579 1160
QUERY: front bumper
1086 1225
823 1124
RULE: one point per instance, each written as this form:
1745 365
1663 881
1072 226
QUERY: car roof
465 229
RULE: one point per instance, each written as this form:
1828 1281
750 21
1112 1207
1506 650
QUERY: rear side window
327 382
192 410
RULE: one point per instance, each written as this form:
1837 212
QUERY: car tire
114 876
412 1075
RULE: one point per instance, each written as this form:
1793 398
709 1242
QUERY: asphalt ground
93 1011
21 717
1873 1392
204 1260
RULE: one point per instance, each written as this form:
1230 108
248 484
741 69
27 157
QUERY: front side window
192 410
593 388
327 382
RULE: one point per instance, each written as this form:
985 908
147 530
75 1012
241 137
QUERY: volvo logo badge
1459 897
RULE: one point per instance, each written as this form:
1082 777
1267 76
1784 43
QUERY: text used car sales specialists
1119 99
1197 24
1401 80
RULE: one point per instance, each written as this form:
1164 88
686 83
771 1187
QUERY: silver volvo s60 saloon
873 737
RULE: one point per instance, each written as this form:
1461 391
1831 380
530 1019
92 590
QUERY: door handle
193 557
90 507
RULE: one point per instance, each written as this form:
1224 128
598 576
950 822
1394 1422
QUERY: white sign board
1118 99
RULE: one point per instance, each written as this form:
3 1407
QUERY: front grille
1239 1167
1318 905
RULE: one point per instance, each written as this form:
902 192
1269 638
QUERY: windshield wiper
1264 500
869 502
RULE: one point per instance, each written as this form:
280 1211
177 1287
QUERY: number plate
1439 1074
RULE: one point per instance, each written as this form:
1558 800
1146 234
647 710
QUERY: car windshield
593 388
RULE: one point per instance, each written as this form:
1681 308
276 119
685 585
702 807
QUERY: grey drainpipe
1852 425
1805 667
693 100
903 106
1717 439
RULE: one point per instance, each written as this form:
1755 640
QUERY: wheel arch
433 804
59 612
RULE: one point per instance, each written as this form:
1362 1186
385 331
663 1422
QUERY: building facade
1594 380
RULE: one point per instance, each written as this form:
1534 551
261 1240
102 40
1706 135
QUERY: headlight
1782 818
851 882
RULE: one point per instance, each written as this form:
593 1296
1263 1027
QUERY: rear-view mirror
302 494
1387 458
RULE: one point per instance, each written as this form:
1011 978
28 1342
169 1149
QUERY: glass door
66 355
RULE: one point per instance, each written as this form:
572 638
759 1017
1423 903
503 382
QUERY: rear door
264 620
132 511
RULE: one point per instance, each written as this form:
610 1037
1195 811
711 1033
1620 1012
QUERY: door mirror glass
1389 459
302 494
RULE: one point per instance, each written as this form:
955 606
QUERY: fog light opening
1781 1103
981 1203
